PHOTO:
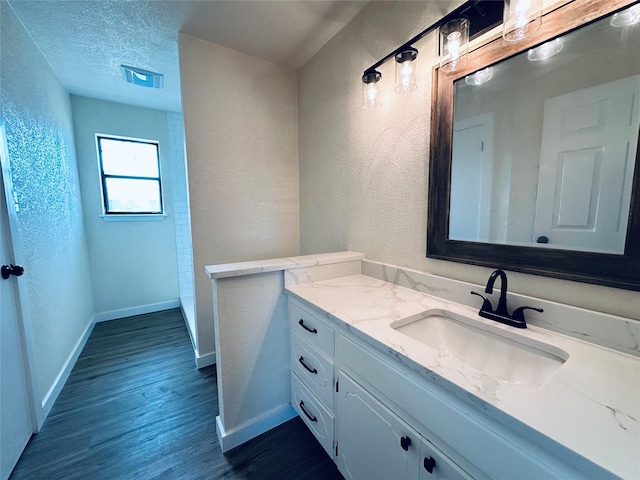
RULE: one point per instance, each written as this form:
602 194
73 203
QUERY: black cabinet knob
8 270
405 442
429 464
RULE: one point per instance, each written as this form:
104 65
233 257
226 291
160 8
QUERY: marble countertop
591 404
275 264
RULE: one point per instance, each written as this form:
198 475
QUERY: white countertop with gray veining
276 264
591 404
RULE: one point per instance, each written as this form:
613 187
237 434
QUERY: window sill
152 217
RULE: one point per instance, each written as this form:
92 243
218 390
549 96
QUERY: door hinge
482 147
336 449
337 385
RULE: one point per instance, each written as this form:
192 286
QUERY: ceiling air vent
144 78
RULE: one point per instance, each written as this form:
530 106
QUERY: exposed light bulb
455 44
520 18
522 12
406 66
370 93
407 73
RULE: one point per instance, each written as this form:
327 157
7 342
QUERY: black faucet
502 301
501 313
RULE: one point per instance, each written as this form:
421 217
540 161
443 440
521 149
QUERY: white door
471 172
373 443
15 409
589 142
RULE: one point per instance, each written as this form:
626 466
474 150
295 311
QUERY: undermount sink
501 354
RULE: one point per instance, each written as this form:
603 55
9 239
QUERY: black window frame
104 176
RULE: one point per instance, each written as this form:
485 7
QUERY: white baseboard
52 395
132 311
272 419
205 360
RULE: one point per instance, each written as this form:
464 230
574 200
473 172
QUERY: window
130 173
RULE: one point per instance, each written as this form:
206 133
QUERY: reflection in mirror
544 143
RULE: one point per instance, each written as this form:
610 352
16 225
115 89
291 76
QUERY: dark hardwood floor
136 407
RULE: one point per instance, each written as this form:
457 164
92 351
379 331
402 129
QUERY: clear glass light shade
370 90
406 67
454 41
546 50
627 17
521 17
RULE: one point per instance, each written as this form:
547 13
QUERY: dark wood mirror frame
620 271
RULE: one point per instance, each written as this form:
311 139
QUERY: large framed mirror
535 158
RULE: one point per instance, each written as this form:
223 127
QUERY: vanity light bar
482 15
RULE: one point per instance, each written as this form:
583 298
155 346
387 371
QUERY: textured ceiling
86 41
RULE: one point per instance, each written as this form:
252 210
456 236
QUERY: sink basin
501 354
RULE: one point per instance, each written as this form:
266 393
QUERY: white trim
52 395
132 311
205 360
258 426
186 313
133 217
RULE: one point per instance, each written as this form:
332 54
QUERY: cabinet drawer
319 420
310 327
313 368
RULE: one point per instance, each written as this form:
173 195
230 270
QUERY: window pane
126 195
122 157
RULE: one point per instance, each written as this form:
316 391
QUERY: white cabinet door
434 465
372 442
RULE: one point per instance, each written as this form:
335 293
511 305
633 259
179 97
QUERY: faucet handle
518 313
486 303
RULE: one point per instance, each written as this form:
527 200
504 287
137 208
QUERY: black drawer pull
304 410
304 364
405 442
429 464
312 330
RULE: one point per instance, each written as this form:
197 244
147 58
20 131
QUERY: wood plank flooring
136 407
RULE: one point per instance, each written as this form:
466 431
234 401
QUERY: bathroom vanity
398 377
525 404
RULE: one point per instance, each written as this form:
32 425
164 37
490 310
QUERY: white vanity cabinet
369 405
312 372
374 443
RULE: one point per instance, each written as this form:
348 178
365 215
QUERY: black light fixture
480 15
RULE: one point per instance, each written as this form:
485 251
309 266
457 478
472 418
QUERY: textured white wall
37 115
240 116
253 374
363 174
133 264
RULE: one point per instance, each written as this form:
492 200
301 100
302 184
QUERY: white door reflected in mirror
586 166
563 146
